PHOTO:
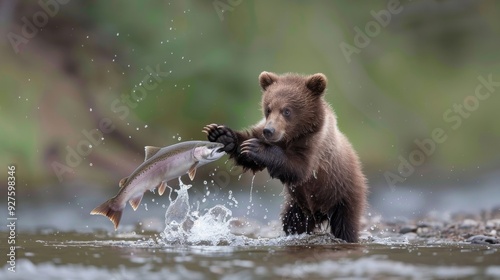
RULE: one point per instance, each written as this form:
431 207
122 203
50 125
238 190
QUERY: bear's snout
268 132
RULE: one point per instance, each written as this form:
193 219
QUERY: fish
160 165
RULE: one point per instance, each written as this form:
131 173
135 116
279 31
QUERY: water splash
217 219
251 188
217 227
233 202
183 226
177 216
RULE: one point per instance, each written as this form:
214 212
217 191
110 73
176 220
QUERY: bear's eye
286 112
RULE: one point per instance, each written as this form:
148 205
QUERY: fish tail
107 210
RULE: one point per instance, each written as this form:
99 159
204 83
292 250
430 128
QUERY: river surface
197 242
100 255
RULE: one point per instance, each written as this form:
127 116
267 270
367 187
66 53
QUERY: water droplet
251 188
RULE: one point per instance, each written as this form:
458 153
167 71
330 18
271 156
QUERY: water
212 244
100 255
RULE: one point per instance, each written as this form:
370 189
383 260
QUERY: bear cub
299 143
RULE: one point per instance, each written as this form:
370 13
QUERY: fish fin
123 182
105 209
150 151
192 170
162 187
135 202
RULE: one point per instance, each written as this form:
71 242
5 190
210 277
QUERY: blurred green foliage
395 90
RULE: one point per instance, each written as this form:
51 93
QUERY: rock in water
484 240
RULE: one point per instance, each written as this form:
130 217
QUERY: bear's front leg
287 168
231 140
260 152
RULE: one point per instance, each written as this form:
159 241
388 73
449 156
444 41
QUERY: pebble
468 223
407 229
495 224
423 230
411 235
483 240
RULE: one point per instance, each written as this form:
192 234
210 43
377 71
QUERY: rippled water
212 244
99 255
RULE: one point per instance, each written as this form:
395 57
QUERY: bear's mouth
276 137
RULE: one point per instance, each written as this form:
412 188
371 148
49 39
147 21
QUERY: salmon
160 165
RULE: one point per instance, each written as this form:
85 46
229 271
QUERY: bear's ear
316 83
266 79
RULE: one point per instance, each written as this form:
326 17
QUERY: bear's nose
268 132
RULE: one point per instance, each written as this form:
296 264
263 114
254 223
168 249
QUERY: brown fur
300 144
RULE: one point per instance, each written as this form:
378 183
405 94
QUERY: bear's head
292 105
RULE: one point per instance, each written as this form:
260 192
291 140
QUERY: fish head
209 152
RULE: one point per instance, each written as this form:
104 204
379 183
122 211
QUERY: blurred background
87 84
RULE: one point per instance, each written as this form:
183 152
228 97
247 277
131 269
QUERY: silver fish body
160 165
